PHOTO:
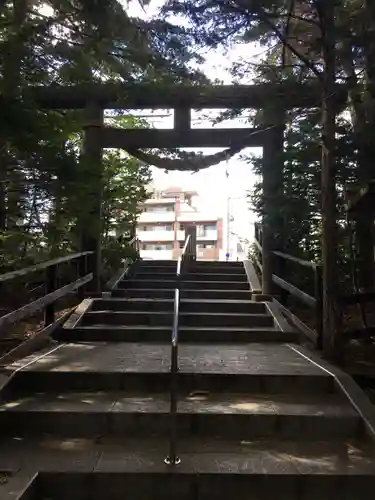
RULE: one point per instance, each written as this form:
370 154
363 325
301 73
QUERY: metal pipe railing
173 458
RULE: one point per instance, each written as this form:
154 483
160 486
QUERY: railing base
174 461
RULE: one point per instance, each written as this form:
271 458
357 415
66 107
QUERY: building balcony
155 235
156 254
209 235
156 217
197 217
180 235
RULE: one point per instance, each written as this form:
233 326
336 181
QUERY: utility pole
227 254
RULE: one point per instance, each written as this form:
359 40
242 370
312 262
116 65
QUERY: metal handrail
134 242
173 458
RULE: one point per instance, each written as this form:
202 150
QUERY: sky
212 184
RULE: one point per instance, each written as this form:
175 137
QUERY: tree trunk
364 143
365 223
3 170
331 340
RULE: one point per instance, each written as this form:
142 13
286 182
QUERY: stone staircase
88 418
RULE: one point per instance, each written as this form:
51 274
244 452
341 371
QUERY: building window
158 227
203 228
160 208
158 246
202 246
164 246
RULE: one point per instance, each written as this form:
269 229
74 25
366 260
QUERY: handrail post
49 312
82 271
280 266
91 267
318 282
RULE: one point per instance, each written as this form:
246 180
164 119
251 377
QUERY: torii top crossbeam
153 96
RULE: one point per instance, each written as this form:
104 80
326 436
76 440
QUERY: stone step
150 284
251 368
228 306
166 270
164 318
141 275
193 268
155 293
186 305
156 263
145 333
192 294
215 285
186 284
230 416
215 276
217 263
133 304
110 380
77 469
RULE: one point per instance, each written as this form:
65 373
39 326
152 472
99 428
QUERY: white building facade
161 226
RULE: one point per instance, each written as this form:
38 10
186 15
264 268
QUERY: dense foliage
44 187
291 34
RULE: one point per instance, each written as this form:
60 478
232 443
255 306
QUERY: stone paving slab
273 359
197 402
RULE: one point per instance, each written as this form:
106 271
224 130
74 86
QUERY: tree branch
286 30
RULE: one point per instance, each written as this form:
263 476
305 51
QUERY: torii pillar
93 167
273 172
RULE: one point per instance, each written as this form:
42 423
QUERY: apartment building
161 226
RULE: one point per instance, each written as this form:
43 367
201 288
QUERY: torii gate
274 100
